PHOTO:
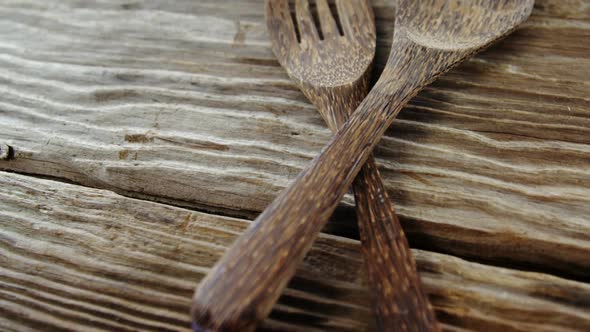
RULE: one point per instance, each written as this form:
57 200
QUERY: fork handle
399 300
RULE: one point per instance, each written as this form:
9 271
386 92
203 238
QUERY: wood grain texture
332 68
74 258
488 163
431 38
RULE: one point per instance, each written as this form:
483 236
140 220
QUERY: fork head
335 51
330 60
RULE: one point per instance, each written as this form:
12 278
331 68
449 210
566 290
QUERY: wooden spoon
431 37
332 68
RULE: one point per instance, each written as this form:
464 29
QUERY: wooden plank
75 258
184 102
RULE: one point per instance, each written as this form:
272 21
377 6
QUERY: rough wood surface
73 258
184 101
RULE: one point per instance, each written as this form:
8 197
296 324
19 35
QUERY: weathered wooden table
145 134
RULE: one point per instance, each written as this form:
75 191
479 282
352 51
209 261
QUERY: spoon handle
399 300
241 289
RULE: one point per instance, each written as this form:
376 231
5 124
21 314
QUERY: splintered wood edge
75 257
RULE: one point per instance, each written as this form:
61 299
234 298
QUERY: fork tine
352 17
279 17
307 27
327 21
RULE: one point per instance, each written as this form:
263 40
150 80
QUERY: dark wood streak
431 37
333 72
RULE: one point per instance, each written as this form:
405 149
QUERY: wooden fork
431 37
332 64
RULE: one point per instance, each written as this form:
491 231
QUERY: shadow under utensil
339 306
343 222
384 26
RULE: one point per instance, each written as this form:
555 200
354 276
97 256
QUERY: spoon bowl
459 24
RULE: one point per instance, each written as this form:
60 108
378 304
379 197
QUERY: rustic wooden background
145 134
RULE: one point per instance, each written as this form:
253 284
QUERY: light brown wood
331 62
74 258
431 38
489 163
484 164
